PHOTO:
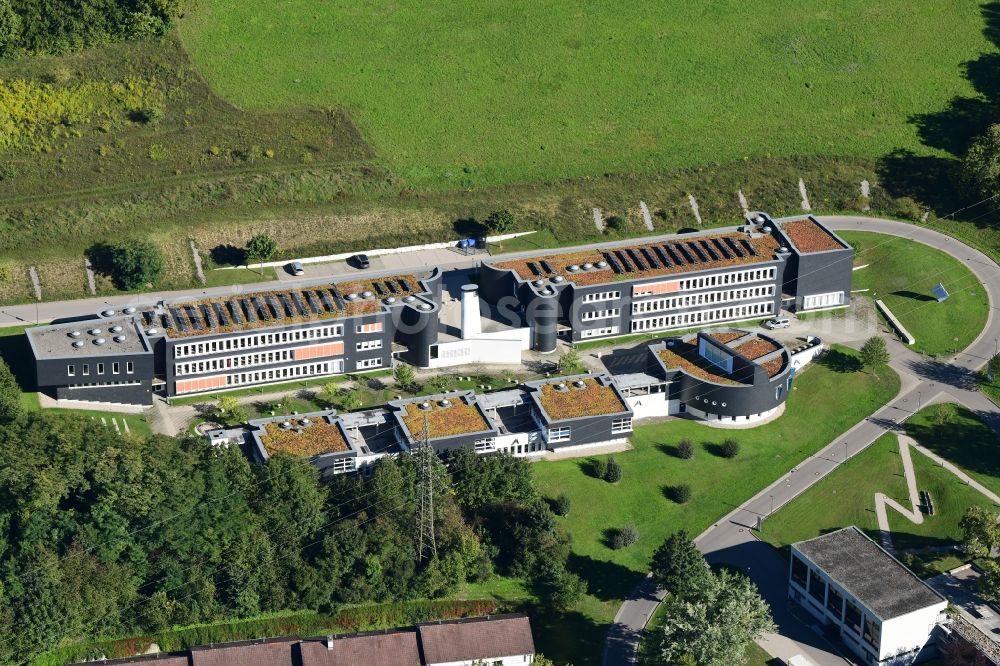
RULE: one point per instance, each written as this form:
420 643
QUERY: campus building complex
186 347
673 282
873 603
313 329
499 640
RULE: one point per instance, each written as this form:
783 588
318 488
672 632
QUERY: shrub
680 494
730 448
685 449
269 154
614 472
500 222
562 505
909 209
615 223
134 263
625 537
214 151
151 115
157 152
307 157
599 467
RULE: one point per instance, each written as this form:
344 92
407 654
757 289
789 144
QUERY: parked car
777 322
296 268
360 261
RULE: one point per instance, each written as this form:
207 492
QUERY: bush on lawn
615 224
562 505
599 467
685 449
614 471
730 448
625 537
681 494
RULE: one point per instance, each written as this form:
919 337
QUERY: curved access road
731 540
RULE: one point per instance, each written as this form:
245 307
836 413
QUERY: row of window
264 376
621 425
843 610
367 345
685 319
564 433
600 314
832 299
602 296
232 342
703 298
124 382
115 369
723 279
599 332
230 362
367 363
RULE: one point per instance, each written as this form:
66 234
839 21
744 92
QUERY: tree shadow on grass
944 373
228 255
963 439
838 361
14 350
568 638
607 581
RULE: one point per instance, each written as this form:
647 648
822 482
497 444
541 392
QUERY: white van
777 322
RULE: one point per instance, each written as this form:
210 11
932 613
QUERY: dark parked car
295 268
360 261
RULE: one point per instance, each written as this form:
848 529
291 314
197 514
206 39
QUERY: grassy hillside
467 94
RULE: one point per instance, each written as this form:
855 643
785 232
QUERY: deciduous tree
679 567
874 354
135 263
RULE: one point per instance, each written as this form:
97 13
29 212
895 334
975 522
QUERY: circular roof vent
670 343
115 329
425 405
573 268
119 338
537 283
74 334
760 219
425 306
390 300
602 264
588 266
77 344
579 383
151 331
99 341
305 422
107 313
766 230
445 402
129 310
409 299
782 249
286 424
561 386
558 278
94 331
366 294
352 297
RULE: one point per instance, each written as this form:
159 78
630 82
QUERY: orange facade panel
319 351
656 288
370 328
201 384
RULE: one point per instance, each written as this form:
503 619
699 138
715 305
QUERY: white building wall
517 660
729 420
503 347
806 356
652 405
910 632
521 444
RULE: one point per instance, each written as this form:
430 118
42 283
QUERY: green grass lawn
902 273
466 94
222 278
846 497
823 404
957 435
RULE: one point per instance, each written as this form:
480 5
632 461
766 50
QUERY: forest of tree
105 535
58 26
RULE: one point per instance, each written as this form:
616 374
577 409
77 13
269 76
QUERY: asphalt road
731 539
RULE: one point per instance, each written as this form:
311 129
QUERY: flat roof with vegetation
576 401
683 253
808 236
316 438
443 420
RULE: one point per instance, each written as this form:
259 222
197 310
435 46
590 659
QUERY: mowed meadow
464 94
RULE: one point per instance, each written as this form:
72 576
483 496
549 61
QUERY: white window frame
129 367
601 314
599 332
601 296
621 425
560 434
367 363
830 299
366 345
71 370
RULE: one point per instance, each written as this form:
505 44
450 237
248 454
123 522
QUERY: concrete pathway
646 217
923 382
91 281
911 513
806 206
598 220
198 269
695 209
